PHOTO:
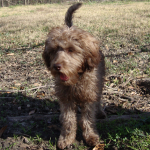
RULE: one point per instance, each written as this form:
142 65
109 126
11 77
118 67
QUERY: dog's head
69 52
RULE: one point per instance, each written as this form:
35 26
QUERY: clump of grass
147 71
51 145
124 135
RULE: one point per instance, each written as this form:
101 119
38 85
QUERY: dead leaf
115 61
37 84
116 79
130 87
99 147
122 101
106 79
32 112
17 84
41 93
21 88
133 93
2 130
130 53
38 97
125 105
13 88
29 52
10 54
111 85
119 90
106 47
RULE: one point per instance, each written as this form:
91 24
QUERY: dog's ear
51 45
92 54
46 55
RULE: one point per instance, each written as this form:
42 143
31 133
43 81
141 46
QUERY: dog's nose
57 66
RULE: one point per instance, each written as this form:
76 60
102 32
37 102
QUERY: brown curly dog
74 59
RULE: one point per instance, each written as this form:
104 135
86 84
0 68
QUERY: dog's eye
70 50
60 48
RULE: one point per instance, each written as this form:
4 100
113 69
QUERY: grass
114 23
133 134
119 25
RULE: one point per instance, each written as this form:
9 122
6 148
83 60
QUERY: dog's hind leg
88 124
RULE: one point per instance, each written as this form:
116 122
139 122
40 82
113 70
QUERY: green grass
126 134
10 146
129 65
147 71
51 145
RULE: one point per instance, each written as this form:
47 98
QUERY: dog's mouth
63 77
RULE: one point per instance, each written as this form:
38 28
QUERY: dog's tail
69 13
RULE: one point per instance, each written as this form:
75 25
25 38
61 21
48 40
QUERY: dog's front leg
69 124
88 124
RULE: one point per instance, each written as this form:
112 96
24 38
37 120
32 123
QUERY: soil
29 110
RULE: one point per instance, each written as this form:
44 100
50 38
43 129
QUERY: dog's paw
63 143
92 140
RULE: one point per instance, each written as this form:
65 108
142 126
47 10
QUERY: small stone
28 105
19 108
25 140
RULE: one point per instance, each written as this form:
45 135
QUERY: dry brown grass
114 23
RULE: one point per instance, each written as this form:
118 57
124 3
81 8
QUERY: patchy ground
29 109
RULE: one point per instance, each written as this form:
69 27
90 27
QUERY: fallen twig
111 118
126 117
45 86
125 83
35 116
109 91
126 97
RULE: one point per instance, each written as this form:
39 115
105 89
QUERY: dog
74 58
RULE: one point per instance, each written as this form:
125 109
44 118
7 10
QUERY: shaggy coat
73 57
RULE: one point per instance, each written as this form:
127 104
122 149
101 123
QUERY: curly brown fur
74 59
